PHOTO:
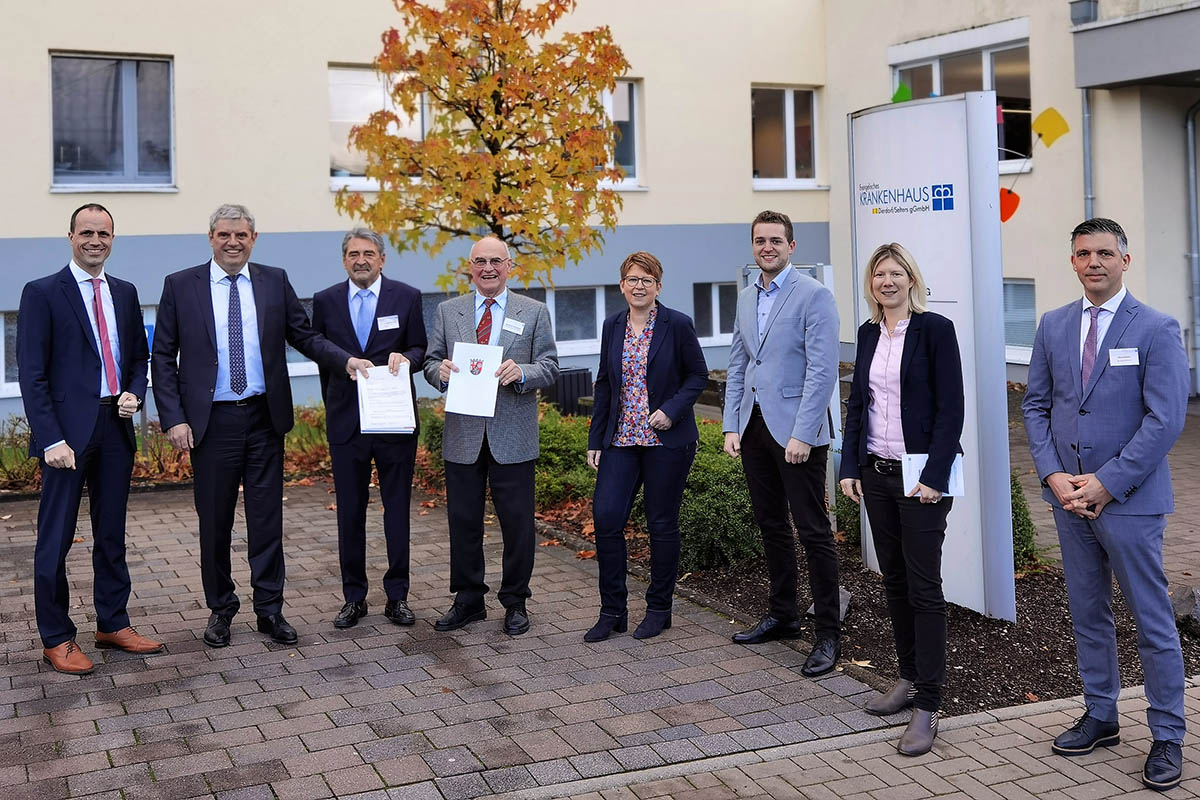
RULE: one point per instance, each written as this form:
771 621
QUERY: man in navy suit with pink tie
380 320
81 352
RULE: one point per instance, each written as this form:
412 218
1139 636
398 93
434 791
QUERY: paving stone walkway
377 707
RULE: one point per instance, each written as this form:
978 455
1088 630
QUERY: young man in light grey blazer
783 365
1107 398
501 450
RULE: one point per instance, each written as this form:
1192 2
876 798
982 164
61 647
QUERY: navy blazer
185 328
58 359
931 397
331 319
676 374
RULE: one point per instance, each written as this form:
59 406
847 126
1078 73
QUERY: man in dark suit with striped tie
379 319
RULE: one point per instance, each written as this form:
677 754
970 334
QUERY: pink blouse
633 426
885 434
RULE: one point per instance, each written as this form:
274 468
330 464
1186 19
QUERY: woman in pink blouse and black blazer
906 397
643 433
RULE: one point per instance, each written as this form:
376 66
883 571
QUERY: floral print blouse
633 426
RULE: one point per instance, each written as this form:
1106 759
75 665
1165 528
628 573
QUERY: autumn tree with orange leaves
517 142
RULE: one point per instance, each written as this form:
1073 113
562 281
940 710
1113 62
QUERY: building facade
163 111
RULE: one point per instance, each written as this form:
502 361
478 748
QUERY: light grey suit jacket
1123 423
512 434
793 371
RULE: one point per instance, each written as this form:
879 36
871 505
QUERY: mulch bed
990 663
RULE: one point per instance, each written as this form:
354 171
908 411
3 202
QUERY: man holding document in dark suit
380 320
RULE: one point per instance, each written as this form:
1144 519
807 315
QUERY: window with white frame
622 108
354 95
111 122
992 57
783 139
714 306
1020 319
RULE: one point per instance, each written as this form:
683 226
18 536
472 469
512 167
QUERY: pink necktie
1089 346
110 364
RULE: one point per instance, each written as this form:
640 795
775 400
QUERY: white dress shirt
1103 320
84 281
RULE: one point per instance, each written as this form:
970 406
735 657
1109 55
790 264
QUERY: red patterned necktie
110 364
483 331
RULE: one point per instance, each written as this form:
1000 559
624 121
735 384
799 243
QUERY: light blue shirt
219 284
766 298
356 302
84 281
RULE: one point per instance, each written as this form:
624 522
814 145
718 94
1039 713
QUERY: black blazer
185 328
58 359
676 374
931 397
331 319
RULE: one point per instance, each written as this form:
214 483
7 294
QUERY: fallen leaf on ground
428 504
588 529
686 575
549 543
423 513
331 507
9 516
863 663
78 539
1031 697
586 554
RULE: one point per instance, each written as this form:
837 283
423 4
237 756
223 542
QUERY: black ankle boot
655 623
605 626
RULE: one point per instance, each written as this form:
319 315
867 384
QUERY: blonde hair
916 291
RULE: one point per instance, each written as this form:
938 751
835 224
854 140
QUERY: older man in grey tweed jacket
499 451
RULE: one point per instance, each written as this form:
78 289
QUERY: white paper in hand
385 402
472 390
912 464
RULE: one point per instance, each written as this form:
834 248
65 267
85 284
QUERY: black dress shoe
606 626
277 628
516 621
1164 766
768 629
217 632
1086 735
350 614
459 615
822 659
398 612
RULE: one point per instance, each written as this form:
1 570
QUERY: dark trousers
908 537
105 465
240 447
512 496
351 481
663 471
775 486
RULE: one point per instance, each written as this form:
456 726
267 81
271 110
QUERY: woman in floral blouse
643 434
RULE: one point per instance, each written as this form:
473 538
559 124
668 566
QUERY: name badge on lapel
388 323
1123 357
514 325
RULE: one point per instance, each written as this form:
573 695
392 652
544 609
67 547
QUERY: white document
912 464
1123 357
472 390
385 402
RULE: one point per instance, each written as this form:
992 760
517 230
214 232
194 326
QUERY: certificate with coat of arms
472 390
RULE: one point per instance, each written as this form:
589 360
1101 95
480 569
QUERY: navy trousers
663 472
351 481
105 465
1129 546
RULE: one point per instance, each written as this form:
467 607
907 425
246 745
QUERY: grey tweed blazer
512 434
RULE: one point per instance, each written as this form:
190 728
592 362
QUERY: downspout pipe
1089 193
1193 255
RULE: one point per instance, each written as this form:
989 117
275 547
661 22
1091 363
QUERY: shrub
848 520
562 471
1025 554
715 518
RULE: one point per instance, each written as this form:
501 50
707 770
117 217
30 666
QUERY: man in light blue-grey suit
498 451
1107 397
783 365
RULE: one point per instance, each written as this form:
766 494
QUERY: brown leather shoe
129 640
68 658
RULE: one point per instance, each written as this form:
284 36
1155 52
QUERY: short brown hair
646 261
774 218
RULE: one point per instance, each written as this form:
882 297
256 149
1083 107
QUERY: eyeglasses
494 263
634 281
